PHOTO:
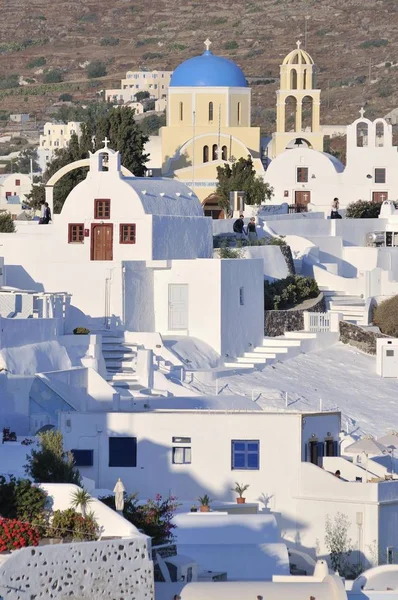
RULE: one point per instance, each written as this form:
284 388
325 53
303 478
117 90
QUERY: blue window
83 458
246 454
122 452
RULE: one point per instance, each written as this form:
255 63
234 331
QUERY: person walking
47 214
252 231
239 228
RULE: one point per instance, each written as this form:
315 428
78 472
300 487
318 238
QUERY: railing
318 322
25 304
297 208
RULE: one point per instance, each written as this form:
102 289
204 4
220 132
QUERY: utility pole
370 71
306 31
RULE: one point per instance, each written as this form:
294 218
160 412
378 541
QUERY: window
127 233
242 296
189 574
211 111
214 152
17 182
380 175
239 112
224 153
8 194
390 555
302 174
245 454
181 111
379 134
362 134
389 352
83 458
122 452
102 209
181 455
205 154
76 233
181 440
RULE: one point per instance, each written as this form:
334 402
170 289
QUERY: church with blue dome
208 124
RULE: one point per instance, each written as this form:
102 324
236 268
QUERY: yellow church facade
208 124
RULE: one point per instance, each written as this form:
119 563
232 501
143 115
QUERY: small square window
302 174
76 233
242 296
127 233
102 209
389 352
122 452
17 182
182 455
83 458
245 455
380 175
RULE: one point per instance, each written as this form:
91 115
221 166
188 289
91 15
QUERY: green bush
20 499
146 42
53 76
227 252
374 43
232 45
286 293
11 81
65 98
385 316
152 55
363 209
109 41
70 524
6 223
81 331
40 61
96 69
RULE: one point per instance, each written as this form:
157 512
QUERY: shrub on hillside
288 292
109 41
53 76
40 61
363 209
96 69
386 316
6 223
65 98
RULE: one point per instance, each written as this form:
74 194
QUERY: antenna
193 148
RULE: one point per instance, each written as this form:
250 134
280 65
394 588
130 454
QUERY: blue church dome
208 70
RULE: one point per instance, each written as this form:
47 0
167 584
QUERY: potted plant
240 490
204 503
81 499
194 508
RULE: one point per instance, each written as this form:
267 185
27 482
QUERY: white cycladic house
136 253
154 82
305 177
14 189
387 357
279 455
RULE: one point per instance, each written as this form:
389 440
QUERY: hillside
348 40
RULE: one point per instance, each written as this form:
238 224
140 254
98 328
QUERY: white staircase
351 307
119 360
274 349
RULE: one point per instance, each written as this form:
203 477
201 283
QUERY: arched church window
305 79
224 153
379 134
205 154
362 134
211 111
293 79
290 113
214 153
307 108
239 113
181 111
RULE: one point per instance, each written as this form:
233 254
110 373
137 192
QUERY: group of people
239 229
45 213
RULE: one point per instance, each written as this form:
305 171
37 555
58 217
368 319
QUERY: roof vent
161 194
144 192
178 194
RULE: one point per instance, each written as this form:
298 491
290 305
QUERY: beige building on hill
298 106
208 124
154 82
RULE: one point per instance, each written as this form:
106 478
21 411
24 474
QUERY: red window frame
127 233
302 174
8 194
17 182
74 235
102 208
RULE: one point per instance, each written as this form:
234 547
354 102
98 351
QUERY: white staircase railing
315 322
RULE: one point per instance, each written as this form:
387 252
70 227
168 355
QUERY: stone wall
361 338
119 568
287 254
279 321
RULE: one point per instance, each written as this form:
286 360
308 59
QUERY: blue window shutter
305 452
335 448
320 449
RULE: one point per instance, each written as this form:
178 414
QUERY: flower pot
204 509
194 510
241 500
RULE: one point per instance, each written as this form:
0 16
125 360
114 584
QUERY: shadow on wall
178 161
16 276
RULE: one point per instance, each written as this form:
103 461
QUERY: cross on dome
298 44
207 43
362 112
106 142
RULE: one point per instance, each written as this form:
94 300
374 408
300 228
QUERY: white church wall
191 238
274 263
19 332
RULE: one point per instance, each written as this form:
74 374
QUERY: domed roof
298 57
208 70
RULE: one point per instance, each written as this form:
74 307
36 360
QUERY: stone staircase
274 349
119 361
351 307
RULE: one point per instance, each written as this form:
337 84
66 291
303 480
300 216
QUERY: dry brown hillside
348 39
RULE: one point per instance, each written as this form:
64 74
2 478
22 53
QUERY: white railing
25 304
315 322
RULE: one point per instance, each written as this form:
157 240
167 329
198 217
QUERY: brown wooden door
379 196
102 242
302 198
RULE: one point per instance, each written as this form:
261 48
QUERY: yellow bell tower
298 105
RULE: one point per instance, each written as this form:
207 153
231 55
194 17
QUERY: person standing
251 230
335 209
47 214
239 229
42 212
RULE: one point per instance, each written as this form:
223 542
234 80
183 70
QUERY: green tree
142 96
151 124
96 69
53 76
22 164
242 177
50 463
6 223
363 209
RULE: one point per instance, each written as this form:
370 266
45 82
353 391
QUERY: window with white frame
182 455
245 455
380 175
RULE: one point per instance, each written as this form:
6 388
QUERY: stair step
271 349
118 364
257 361
300 335
235 365
266 355
283 342
109 356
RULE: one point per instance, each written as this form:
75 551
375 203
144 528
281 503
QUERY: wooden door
302 198
102 242
379 196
